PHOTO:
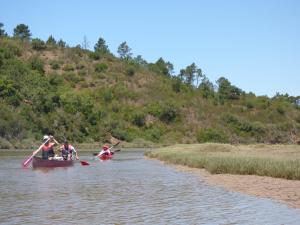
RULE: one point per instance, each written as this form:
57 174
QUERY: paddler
105 150
48 147
68 151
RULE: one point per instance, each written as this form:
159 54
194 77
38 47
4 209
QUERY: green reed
264 160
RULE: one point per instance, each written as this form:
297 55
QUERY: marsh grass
280 161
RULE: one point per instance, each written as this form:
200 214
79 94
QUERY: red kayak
105 157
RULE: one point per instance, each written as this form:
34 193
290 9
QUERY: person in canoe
48 147
105 151
68 151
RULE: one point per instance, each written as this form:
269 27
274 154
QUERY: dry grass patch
281 161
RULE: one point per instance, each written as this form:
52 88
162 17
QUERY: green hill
49 88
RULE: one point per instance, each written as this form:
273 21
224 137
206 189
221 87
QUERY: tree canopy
101 46
124 51
22 31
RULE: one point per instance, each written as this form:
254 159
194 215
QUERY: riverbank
32 144
281 190
279 161
251 169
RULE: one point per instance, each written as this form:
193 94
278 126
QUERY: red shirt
48 147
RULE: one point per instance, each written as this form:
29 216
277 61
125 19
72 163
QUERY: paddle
84 163
27 161
115 151
108 149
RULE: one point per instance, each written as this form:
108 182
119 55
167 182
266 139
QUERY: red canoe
106 157
39 162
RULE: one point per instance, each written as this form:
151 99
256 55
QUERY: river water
126 190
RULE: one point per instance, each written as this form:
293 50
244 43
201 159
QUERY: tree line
85 94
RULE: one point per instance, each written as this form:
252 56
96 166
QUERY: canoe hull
106 157
38 162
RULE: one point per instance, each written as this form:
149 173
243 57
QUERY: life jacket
106 152
47 151
65 152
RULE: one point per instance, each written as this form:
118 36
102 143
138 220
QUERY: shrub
130 72
138 119
5 144
240 125
101 67
280 110
94 55
108 96
55 65
211 135
121 134
72 77
176 85
169 113
56 80
250 104
154 134
80 66
38 44
9 48
68 67
37 64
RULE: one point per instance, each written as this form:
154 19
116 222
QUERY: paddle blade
84 163
27 161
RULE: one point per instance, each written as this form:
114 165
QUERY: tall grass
263 160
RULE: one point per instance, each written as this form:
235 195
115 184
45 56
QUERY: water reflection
126 190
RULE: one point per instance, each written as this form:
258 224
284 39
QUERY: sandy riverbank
281 190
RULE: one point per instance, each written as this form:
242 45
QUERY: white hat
46 137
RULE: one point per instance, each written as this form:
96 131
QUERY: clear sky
253 43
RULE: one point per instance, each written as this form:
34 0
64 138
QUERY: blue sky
253 43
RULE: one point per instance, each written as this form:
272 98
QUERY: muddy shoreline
281 190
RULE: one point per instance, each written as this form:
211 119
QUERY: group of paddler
67 151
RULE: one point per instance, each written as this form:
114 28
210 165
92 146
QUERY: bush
5 144
166 112
138 119
211 135
94 55
38 44
121 134
9 48
100 67
37 64
240 125
56 80
68 67
80 66
250 104
130 72
154 134
169 113
280 110
72 77
108 96
55 65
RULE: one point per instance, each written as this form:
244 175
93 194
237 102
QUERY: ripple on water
127 190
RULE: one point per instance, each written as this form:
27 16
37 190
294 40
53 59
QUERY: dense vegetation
47 87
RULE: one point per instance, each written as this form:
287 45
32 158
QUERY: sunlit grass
281 161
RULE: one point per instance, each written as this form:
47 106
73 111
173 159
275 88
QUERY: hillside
49 88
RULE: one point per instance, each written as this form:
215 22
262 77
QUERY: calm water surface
126 190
